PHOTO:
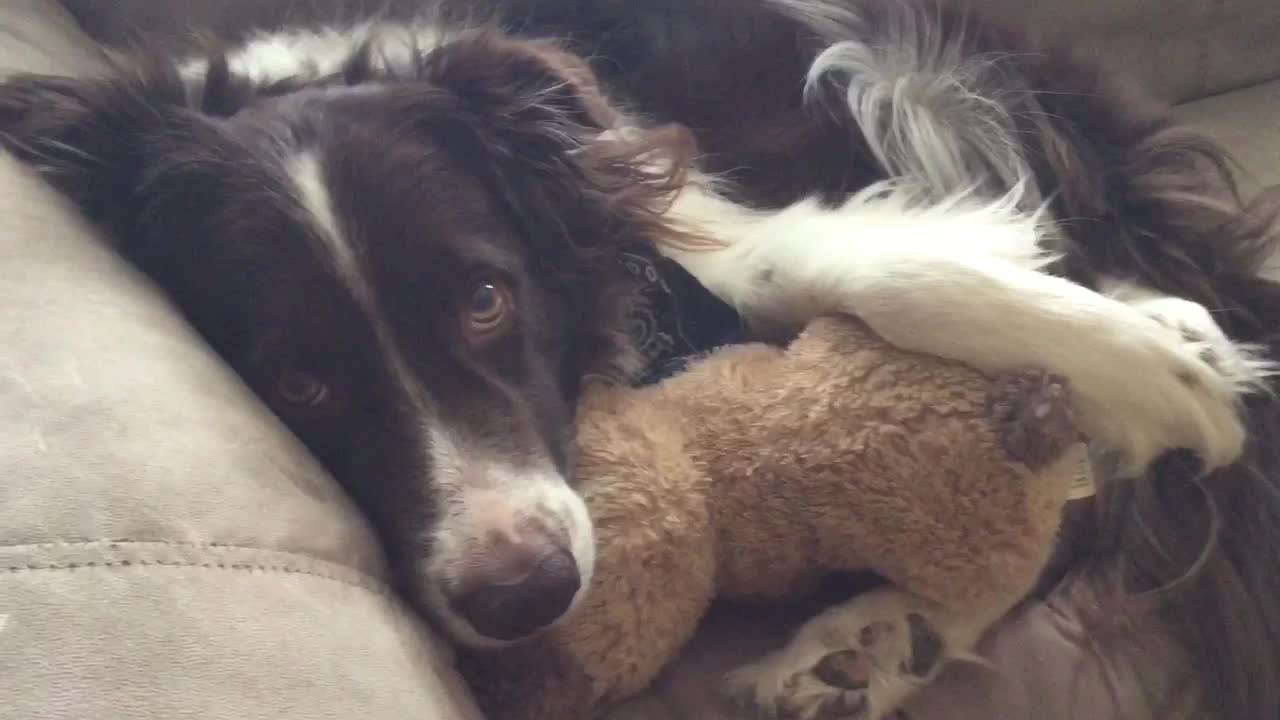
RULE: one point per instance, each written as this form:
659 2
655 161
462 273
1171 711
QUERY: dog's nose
514 607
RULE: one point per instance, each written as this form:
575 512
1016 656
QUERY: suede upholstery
1247 122
168 550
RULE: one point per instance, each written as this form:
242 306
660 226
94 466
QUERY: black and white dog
406 239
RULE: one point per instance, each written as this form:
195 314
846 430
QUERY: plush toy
759 469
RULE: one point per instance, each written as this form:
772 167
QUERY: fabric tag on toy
1083 484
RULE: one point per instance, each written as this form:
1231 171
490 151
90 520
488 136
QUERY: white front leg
960 280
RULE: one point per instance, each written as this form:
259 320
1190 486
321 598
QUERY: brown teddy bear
760 469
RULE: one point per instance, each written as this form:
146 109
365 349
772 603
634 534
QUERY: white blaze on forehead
306 171
466 473
313 193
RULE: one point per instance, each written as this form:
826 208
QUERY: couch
167 550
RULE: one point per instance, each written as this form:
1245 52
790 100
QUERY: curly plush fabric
759 470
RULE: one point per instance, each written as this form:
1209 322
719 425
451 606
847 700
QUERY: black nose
514 609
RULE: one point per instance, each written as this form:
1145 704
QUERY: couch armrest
167 549
42 36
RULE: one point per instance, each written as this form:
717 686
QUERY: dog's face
414 274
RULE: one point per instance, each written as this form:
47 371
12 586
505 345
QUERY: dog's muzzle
536 584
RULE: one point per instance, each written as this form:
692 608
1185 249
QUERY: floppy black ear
539 110
534 97
88 137
585 184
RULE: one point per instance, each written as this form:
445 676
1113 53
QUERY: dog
406 239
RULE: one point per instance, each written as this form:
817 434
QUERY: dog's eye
488 309
301 389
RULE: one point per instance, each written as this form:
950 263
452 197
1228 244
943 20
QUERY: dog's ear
90 137
542 120
534 98
583 181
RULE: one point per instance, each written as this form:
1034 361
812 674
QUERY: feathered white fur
929 109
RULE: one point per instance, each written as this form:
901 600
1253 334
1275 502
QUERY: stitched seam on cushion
366 583
185 544
86 543
368 580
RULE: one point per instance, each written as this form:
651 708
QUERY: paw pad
846 669
926 647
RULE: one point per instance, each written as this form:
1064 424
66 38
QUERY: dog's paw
1182 388
856 661
1175 382
1155 393
1242 365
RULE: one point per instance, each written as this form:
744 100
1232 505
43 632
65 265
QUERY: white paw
856 661
1244 366
1177 385
1151 392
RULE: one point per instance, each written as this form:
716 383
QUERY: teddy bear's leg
859 660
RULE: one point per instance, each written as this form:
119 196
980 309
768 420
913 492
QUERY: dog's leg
961 280
859 660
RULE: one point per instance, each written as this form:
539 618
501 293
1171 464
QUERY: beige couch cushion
41 36
1247 122
1180 49
166 549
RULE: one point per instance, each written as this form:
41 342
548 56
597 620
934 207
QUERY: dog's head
414 266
